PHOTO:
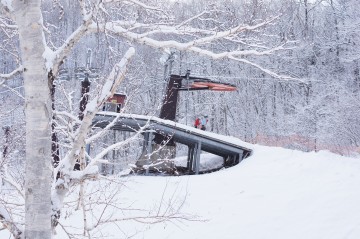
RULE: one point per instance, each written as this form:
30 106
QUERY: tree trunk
38 115
306 23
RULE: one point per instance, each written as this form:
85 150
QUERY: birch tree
37 101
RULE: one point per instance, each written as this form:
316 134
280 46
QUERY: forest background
318 109
298 79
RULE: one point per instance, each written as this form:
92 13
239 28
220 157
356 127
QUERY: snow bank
275 193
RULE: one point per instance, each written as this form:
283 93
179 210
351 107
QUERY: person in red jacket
197 123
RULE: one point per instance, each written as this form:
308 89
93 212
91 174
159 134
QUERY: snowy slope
276 193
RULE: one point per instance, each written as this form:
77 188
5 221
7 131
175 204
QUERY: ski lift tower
86 75
165 147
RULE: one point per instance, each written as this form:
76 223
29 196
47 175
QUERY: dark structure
160 136
187 83
115 103
184 83
196 140
85 88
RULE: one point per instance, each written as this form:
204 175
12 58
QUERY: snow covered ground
275 193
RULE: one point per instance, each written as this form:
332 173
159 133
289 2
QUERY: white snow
114 76
8 4
275 193
208 161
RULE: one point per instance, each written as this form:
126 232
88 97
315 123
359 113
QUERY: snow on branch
144 5
83 7
192 18
115 146
13 73
273 74
194 45
15 185
152 29
125 29
55 60
64 171
167 209
112 82
91 170
7 5
68 115
135 2
102 132
4 24
9 224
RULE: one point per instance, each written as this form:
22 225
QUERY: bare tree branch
135 2
9 224
66 165
3 24
11 74
120 28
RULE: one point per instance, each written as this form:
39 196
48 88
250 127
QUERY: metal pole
149 151
197 158
190 160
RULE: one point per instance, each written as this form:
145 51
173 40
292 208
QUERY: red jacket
197 122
